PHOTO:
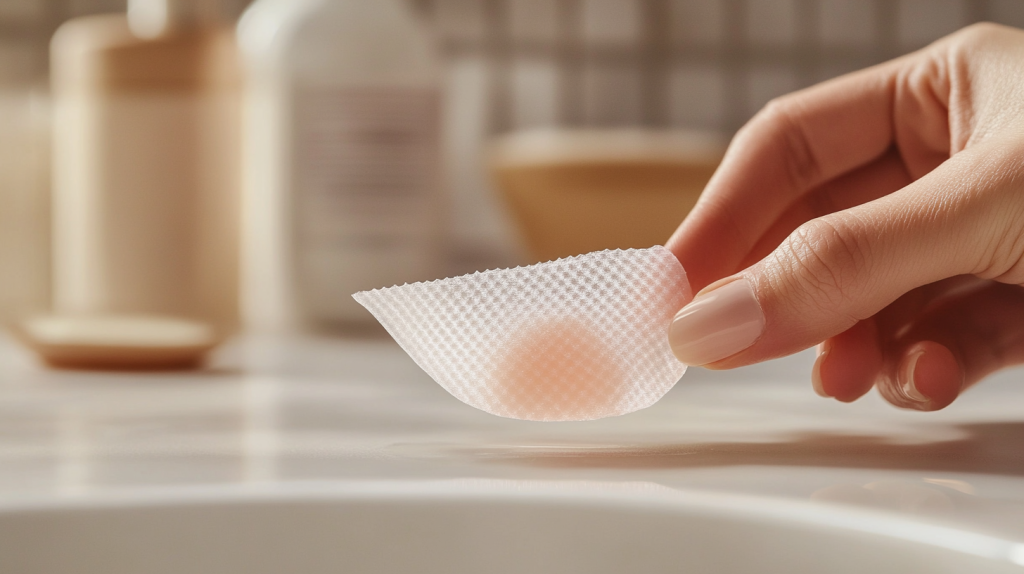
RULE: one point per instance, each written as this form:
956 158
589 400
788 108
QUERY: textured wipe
579 338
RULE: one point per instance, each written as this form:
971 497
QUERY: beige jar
146 169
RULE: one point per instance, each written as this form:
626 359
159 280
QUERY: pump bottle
146 163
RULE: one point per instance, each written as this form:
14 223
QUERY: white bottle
341 158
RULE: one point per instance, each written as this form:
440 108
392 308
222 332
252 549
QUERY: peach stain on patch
557 370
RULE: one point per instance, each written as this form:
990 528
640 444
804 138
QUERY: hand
880 214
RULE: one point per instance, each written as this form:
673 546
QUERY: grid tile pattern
691 63
695 63
706 64
512 64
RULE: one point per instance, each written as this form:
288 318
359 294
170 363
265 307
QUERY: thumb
837 270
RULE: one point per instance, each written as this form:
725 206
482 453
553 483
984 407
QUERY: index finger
794 144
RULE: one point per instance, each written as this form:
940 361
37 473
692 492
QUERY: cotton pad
579 338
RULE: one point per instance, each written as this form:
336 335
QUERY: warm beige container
577 191
24 205
146 168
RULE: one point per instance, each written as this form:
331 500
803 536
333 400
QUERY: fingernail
929 377
905 379
717 324
823 349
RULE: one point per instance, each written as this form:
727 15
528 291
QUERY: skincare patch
579 338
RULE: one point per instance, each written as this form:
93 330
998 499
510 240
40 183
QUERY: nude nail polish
905 380
819 387
929 377
717 324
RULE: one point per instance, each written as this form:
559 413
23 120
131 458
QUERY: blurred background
513 65
694 63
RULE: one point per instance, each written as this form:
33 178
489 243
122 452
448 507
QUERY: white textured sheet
579 338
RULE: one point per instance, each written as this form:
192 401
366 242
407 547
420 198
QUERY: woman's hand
882 213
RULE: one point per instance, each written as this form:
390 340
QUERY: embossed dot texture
579 338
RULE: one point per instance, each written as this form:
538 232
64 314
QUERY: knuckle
1002 257
978 32
965 44
786 133
991 240
824 260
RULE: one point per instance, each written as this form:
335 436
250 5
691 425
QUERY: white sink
456 527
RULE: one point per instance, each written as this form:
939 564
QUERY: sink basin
475 526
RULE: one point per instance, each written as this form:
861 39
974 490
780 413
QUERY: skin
880 215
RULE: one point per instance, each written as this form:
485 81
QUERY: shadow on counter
992 448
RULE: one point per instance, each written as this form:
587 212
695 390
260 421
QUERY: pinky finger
928 377
953 346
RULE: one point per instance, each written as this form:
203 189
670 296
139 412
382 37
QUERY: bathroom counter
272 411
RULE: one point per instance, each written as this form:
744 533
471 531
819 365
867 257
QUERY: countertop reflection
274 410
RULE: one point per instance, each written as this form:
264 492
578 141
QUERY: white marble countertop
272 411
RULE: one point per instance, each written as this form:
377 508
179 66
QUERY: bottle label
366 203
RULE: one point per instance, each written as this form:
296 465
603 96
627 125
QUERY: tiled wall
706 64
699 63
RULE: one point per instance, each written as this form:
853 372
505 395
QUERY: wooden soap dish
118 342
